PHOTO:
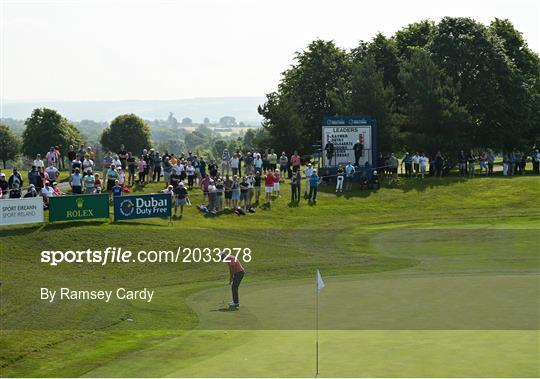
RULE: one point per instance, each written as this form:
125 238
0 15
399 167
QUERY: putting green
342 354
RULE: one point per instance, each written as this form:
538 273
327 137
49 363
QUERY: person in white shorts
308 171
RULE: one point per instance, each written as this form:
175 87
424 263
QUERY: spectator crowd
238 181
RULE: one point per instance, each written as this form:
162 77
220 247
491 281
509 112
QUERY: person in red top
296 160
269 185
236 274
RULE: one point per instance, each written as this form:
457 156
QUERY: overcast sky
100 50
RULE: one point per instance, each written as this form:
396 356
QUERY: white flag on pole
320 283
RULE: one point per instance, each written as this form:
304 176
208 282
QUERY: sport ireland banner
142 206
78 207
21 211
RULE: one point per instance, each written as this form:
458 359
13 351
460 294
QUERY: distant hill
244 109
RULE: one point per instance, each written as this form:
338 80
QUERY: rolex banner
21 211
142 206
78 207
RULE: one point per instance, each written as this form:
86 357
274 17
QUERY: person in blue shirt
350 171
313 186
116 189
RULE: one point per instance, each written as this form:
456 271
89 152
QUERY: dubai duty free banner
142 206
21 211
78 207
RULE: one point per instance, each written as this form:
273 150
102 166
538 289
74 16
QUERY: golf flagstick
319 285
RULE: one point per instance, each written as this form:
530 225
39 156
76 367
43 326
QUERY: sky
174 49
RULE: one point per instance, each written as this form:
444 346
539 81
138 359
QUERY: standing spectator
257 186
248 163
471 160
244 189
89 183
157 167
251 190
295 190
258 162
350 170
131 165
235 163
422 162
536 162
205 182
283 162
213 169
181 196
522 163
266 162
116 190
235 191
220 189
15 180
358 149
112 177
88 165
483 163
340 178
277 180
225 162
142 170
122 156
38 162
150 164
296 161
34 178
313 186
272 160
211 196
107 162
167 170
393 163
59 157
407 161
462 162
506 163
52 157
490 162
439 164
71 154
308 171
190 171
329 149
228 191
75 181
269 185
416 164
202 167
76 163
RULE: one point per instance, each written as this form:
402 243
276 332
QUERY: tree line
454 85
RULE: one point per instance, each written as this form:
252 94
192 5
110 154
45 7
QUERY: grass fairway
423 278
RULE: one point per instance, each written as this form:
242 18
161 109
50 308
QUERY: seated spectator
56 189
3 186
32 192
47 192
52 172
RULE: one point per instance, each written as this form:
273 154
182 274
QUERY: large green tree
9 144
304 97
128 129
434 118
46 128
